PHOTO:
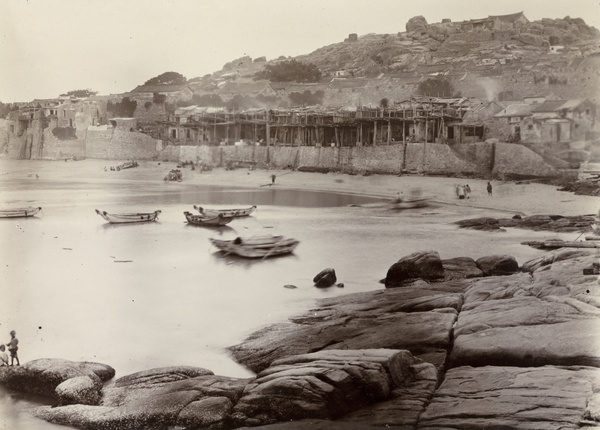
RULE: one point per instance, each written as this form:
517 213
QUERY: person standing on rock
13 348
489 189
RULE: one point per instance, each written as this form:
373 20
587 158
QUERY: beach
513 197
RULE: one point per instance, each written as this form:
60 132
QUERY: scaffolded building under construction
421 119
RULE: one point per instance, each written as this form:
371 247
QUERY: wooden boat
210 220
126 218
256 246
409 204
19 212
128 165
226 212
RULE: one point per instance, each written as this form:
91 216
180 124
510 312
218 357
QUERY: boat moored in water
207 220
226 212
19 212
256 246
127 218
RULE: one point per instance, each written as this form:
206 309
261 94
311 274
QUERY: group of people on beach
13 347
463 191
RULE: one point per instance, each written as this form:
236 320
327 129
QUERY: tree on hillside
167 78
80 93
124 109
289 71
306 98
435 87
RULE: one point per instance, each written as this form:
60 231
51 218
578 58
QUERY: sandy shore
513 197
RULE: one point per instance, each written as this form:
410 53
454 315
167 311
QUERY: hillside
494 58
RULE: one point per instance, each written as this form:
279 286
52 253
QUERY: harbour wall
481 159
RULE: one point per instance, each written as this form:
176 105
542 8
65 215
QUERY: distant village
533 94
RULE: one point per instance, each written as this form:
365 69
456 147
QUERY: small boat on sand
126 218
226 212
19 212
256 246
207 220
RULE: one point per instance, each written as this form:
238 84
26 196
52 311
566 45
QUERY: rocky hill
493 58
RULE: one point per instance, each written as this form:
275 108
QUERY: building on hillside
495 22
477 123
173 93
511 117
509 22
539 98
559 121
253 89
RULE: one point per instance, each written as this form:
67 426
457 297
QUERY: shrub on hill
289 71
435 87
125 108
167 78
307 98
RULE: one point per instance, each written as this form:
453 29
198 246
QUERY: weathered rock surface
491 397
418 265
497 265
555 223
550 317
183 397
417 319
43 376
329 384
460 268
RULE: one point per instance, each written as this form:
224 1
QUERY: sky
49 47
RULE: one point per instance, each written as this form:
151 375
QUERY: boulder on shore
45 375
418 265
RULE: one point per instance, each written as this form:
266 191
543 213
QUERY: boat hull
226 212
210 220
249 248
19 212
129 218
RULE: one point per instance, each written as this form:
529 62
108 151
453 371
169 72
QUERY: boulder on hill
417 24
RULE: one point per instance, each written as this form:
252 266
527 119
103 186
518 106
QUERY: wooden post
389 136
374 133
268 130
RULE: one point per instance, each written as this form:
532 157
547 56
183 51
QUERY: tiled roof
519 109
158 88
549 106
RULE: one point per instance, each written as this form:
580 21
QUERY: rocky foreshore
552 223
453 344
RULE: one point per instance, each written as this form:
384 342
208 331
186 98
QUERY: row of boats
250 247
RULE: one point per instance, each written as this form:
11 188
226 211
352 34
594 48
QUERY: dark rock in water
340 285
291 287
460 268
517 216
45 375
498 265
325 278
423 264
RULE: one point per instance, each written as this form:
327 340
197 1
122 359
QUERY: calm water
150 295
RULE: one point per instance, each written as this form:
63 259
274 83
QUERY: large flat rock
502 397
418 319
548 317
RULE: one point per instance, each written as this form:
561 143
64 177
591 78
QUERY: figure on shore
273 179
3 357
489 189
460 192
467 190
13 348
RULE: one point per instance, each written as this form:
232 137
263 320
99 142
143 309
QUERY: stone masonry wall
126 145
475 159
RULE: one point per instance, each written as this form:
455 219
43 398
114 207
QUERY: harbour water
149 295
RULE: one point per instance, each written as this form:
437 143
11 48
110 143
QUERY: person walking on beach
489 189
273 179
13 348
3 357
467 190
